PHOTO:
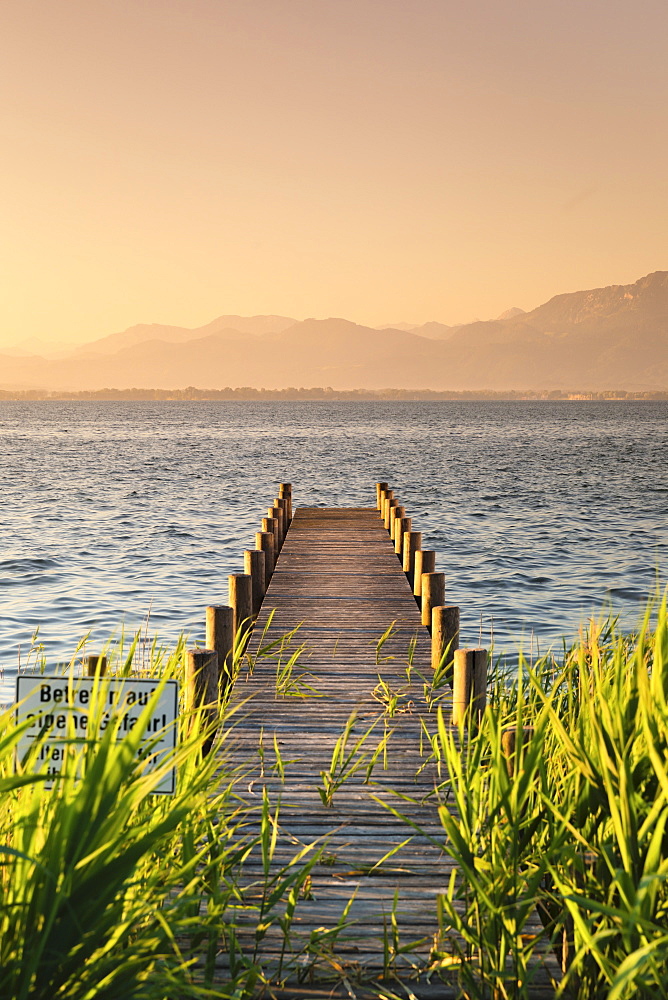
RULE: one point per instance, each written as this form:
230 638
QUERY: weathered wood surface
339 579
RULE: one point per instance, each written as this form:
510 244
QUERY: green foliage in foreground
561 845
109 891
572 825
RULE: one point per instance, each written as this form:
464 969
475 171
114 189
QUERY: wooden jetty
338 578
365 919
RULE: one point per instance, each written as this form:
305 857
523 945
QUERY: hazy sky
171 160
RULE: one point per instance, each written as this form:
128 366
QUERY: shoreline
317 393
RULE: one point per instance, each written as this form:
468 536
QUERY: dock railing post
389 504
264 542
425 562
241 600
396 513
403 525
277 513
389 494
380 488
271 524
469 686
202 688
220 637
95 664
412 544
285 493
433 595
254 567
444 635
509 746
282 502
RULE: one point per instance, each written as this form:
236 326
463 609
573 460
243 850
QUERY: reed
109 890
348 756
572 829
562 848
81 888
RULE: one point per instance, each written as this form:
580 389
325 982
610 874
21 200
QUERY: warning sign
59 709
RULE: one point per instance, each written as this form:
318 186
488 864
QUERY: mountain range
603 338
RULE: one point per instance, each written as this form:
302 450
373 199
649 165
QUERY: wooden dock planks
339 580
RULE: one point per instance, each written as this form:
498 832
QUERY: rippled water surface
539 512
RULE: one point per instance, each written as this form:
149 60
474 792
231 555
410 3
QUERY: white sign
59 708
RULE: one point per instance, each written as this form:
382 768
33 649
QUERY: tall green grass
110 891
564 845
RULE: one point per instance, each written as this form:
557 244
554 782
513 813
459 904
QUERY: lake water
540 512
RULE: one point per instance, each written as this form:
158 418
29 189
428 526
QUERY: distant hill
617 335
604 338
232 327
434 331
35 347
511 313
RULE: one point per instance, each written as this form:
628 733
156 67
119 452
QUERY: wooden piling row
247 589
465 669
407 543
228 626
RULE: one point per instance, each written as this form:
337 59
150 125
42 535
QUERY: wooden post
241 600
220 636
254 567
396 513
94 664
379 488
433 594
425 562
277 513
285 493
264 541
271 524
509 747
386 499
202 688
444 635
403 525
395 517
389 504
282 502
469 686
412 544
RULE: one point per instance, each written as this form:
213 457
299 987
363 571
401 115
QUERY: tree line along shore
191 393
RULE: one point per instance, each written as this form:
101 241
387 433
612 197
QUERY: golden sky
384 160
